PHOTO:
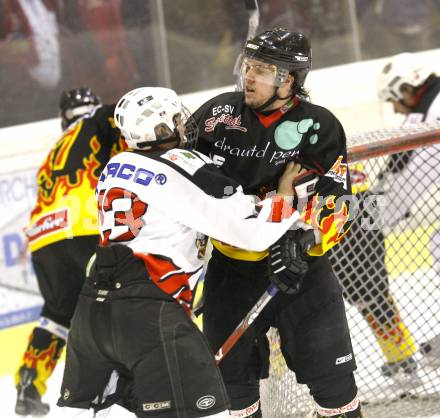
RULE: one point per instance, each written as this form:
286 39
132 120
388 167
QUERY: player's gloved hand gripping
287 264
297 180
287 260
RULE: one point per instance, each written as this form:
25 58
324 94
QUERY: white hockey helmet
401 69
150 116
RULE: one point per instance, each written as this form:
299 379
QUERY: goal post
388 266
388 141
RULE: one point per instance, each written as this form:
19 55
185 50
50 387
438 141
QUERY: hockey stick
241 328
253 22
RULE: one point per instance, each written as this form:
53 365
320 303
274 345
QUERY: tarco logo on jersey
228 120
48 224
140 175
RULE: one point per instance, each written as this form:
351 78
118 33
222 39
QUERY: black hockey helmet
290 51
76 103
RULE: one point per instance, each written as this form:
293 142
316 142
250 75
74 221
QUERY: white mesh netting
389 269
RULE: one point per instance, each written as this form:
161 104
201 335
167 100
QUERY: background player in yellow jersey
63 233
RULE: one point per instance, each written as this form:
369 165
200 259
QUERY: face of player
259 84
259 81
407 103
399 107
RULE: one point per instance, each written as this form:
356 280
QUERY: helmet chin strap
273 99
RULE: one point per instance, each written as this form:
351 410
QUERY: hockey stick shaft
253 23
241 328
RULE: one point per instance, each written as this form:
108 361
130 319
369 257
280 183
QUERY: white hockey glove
287 260
298 181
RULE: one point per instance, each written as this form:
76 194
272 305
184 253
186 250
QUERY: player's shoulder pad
201 171
316 110
229 97
414 118
104 111
184 160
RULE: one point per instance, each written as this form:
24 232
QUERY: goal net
389 269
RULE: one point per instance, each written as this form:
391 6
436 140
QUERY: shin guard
392 335
41 356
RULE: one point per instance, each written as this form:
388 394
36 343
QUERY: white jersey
407 186
156 203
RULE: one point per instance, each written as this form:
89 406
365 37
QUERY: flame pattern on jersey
67 178
169 278
330 218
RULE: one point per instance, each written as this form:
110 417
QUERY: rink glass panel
113 46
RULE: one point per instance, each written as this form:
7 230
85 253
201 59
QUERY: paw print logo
288 134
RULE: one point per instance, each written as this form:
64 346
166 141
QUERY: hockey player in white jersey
414 91
411 177
132 322
407 179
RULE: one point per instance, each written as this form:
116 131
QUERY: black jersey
253 148
67 179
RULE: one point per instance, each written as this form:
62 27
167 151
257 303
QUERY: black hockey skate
28 399
408 366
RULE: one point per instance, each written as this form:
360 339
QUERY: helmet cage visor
392 91
187 129
184 134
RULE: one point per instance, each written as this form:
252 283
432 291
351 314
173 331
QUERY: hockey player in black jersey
132 322
251 135
63 233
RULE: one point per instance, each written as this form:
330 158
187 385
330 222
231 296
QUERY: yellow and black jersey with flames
66 180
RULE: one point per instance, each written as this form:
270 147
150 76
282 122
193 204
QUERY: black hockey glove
287 264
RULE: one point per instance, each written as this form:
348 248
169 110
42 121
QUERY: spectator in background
390 26
30 60
96 31
104 23
46 44
34 22
63 234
